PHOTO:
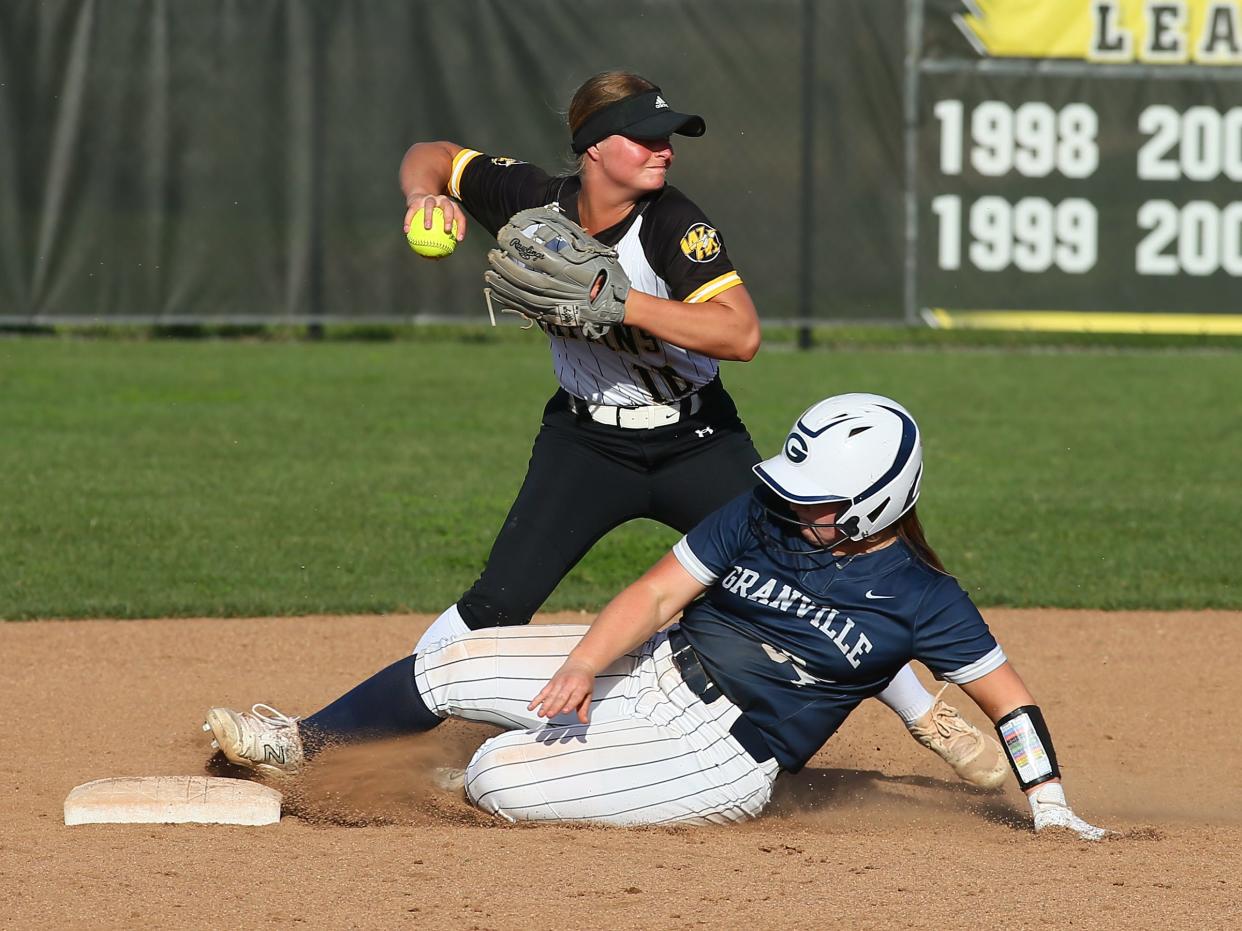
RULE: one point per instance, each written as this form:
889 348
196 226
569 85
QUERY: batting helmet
863 449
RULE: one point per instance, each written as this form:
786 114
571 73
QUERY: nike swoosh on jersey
874 597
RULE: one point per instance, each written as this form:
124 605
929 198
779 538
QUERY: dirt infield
875 834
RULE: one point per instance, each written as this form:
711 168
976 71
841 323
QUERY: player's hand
427 203
569 690
1052 813
1065 819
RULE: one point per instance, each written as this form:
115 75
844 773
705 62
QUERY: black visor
644 116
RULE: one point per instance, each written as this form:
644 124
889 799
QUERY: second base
172 800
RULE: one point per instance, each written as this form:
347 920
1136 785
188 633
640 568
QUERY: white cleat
974 756
261 739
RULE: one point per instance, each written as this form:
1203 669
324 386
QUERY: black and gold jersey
666 245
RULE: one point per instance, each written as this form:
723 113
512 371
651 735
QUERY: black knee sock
385 705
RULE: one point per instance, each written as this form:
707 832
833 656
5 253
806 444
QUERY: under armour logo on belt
704 432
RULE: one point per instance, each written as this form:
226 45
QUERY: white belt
647 417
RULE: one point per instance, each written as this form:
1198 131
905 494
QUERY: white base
172 800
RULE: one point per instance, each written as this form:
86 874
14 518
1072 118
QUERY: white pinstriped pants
653 752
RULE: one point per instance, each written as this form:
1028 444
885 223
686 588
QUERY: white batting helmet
863 449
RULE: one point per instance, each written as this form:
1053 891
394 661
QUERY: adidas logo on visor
660 104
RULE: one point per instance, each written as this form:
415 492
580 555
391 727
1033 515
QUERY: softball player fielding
799 599
641 425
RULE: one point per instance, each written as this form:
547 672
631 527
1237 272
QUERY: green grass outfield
228 477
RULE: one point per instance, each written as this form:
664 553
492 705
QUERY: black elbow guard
1028 745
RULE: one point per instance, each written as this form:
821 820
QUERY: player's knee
497 779
473 645
493 642
437 670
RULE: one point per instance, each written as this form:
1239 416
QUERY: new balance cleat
261 739
976 757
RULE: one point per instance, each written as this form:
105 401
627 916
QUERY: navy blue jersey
797 639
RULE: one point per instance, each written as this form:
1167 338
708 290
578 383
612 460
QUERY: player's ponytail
910 529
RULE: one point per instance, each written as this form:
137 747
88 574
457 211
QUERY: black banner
1077 164
1087 192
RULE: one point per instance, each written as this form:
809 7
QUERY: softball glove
550 270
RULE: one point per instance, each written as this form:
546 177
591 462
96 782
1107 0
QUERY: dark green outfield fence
235 160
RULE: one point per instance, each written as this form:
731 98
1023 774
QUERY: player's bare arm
1004 697
424 177
634 615
725 327
999 692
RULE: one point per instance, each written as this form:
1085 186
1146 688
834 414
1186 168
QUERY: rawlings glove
1050 809
550 270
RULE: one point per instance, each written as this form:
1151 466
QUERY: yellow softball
431 243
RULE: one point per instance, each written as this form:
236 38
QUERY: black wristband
1028 745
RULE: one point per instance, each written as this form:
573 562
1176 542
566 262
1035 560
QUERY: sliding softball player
640 300
799 600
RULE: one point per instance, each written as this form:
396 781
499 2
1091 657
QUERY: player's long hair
597 92
910 529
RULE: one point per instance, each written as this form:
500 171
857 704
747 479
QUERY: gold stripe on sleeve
460 161
714 287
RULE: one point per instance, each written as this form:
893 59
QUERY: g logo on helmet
701 243
795 448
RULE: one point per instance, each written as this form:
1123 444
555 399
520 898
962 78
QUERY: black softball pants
586 478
